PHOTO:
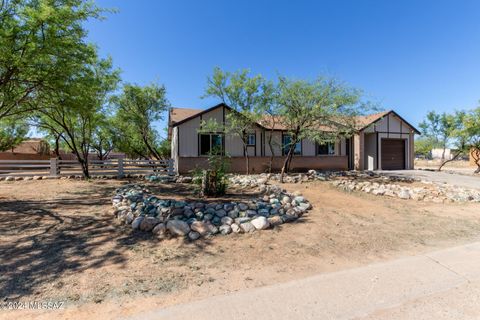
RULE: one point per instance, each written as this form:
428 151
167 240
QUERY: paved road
440 285
459 180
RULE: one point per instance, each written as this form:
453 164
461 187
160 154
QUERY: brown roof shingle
180 114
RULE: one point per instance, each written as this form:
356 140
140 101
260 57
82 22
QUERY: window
326 149
251 139
210 142
286 145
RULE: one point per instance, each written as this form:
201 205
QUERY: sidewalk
439 285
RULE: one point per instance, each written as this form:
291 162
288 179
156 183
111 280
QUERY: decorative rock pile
428 192
134 205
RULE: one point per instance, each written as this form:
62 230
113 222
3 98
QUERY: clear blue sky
411 56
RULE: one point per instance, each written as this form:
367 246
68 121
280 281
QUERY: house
439 153
29 149
383 141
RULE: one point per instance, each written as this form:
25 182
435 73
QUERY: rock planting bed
415 190
136 206
372 183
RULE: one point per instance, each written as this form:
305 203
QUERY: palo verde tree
321 111
136 111
40 43
77 110
246 95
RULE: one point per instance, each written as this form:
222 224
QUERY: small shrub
213 181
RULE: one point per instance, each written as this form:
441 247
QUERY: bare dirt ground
458 166
59 241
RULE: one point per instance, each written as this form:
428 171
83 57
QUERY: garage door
393 154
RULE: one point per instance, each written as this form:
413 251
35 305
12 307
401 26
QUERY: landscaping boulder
178 227
260 223
247 227
136 222
225 229
148 223
160 230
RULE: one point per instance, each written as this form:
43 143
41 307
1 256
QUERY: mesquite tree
136 110
321 111
245 95
440 128
76 110
41 42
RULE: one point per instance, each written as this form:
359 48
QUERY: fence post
170 168
120 168
54 168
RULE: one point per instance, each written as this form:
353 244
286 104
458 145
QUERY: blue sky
411 56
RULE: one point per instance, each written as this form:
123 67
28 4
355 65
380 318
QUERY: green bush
213 181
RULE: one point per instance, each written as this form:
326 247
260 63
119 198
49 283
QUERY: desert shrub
213 182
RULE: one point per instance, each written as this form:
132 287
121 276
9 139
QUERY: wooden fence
55 167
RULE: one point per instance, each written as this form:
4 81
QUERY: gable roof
178 116
366 121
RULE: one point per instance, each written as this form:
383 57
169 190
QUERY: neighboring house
30 149
439 153
383 141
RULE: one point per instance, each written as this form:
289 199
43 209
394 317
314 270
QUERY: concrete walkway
440 285
459 180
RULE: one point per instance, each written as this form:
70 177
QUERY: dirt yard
59 242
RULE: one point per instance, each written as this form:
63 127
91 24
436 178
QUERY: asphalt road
439 285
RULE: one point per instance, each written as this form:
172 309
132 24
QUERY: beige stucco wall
370 154
276 143
188 138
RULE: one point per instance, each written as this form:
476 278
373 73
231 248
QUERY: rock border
134 205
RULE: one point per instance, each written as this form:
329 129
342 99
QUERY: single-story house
383 141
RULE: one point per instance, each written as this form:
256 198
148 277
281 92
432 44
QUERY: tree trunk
247 158
84 165
447 161
272 155
57 147
475 154
285 166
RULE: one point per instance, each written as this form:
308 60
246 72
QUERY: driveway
440 285
459 180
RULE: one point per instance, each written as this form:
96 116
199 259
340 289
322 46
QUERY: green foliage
424 146
136 111
213 181
468 135
42 42
439 128
321 111
76 110
248 96
103 137
12 132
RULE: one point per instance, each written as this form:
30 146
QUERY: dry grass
58 240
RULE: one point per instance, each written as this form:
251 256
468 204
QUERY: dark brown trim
378 157
388 113
200 113
178 141
388 125
394 132
198 139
